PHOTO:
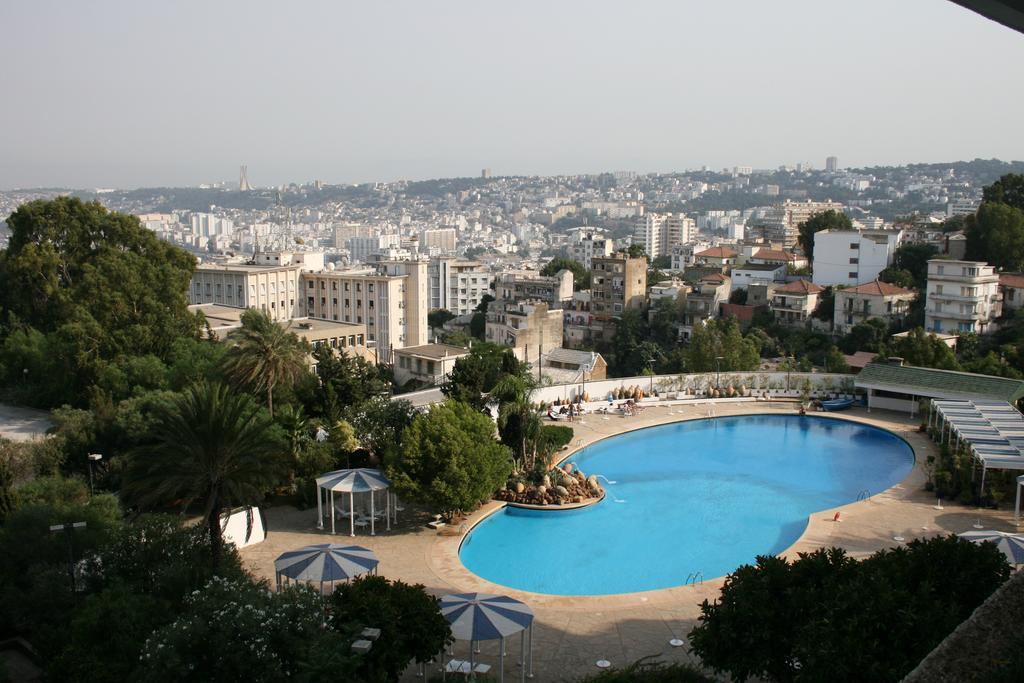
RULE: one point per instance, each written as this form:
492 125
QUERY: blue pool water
698 496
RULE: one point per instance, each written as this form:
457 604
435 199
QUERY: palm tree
518 423
262 355
212 446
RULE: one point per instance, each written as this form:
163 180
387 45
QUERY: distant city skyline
122 94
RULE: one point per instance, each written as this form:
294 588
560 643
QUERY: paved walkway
23 424
572 633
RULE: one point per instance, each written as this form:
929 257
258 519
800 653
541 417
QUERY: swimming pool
697 496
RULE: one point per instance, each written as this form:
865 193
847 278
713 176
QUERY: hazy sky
143 93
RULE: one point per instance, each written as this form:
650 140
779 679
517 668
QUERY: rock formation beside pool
558 487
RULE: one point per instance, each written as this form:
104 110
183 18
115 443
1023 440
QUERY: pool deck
572 633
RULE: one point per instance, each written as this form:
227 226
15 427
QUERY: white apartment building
272 289
390 299
209 225
685 255
456 285
659 232
361 249
963 296
850 258
782 221
587 243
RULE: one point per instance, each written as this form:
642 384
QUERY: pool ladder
863 495
694 578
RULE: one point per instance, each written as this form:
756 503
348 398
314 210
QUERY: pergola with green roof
898 387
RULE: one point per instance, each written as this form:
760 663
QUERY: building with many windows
457 285
586 243
962 296
389 299
617 283
659 232
555 290
272 289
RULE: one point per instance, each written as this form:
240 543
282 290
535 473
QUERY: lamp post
69 529
650 364
789 370
93 458
718 372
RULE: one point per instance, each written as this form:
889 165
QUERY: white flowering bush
235 630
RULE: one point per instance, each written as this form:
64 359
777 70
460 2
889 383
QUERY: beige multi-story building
782 221
528 327
456 285
390 299
442 239
874 299
555 290
793 303
963 296
272 289
617 283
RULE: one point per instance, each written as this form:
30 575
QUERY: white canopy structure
325 563
992 430
354 481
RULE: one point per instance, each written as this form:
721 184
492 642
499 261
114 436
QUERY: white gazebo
359 481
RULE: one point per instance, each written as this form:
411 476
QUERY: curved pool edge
443 556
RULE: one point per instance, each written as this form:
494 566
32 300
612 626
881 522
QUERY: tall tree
996 235
719 345
1009 189
212 446
263 356
450 459
914 258
92 286
580 274
826 220
475 375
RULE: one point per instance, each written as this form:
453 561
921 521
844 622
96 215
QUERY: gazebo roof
358 480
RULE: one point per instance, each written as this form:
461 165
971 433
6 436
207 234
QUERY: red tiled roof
878 288
714 277
800 287
1011 280
717 252
741 312
774 255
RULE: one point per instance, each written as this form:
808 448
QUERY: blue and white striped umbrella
359 480
325 562
480 616
1012 545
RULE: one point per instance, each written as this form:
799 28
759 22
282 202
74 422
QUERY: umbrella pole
373 514
530 674
1016 508
981 491
522 656
319 509
332 511
351 514
501 661
387 500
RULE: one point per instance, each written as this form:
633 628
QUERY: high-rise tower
243 179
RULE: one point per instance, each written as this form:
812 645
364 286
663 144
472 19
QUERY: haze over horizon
122 94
